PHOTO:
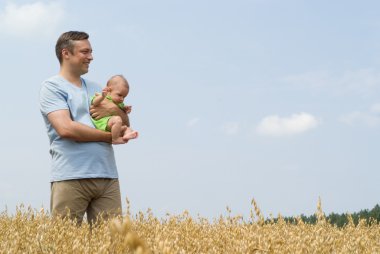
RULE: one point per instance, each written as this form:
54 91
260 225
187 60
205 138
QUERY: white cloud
369 118
375 108
192 122
230 128
285 126
361 81
29 20
309 79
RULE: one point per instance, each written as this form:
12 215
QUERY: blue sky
276 100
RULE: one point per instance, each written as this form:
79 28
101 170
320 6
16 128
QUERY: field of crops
28 231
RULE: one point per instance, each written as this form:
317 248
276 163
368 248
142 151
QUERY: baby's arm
100 97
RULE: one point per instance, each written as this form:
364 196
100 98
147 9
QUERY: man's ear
65 53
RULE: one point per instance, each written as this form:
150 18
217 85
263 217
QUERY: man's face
81 57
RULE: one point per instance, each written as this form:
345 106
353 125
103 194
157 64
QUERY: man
84 176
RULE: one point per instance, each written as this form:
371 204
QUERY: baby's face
118 92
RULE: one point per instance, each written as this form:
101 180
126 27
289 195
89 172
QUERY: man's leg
108 203
68 198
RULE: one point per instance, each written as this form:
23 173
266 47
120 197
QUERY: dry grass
29 231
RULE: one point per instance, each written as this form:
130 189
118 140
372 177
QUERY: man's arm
108 108
67 128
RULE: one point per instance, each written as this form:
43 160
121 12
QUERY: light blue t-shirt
71 159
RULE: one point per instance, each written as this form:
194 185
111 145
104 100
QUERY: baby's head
119 88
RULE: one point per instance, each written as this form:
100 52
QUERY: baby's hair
124 80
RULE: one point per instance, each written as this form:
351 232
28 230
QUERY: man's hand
108 108
105 108
128 109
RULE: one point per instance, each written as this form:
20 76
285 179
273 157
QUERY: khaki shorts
94 196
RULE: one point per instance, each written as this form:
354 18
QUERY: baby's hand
105 91
128 109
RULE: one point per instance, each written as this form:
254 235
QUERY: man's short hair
66 41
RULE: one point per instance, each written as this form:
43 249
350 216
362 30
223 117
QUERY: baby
116 90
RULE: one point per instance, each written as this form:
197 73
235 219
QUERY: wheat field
30 231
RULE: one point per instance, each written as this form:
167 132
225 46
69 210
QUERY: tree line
340 220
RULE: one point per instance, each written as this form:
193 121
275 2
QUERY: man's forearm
67 128
83 133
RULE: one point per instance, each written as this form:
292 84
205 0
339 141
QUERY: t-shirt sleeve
52 98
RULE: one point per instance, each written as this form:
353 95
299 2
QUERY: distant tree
340 220
375 213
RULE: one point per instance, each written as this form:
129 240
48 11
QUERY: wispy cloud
31 20
375 108
230 128
361 81
284 126
370 117
192 122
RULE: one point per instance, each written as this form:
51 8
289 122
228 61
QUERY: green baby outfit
101 124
